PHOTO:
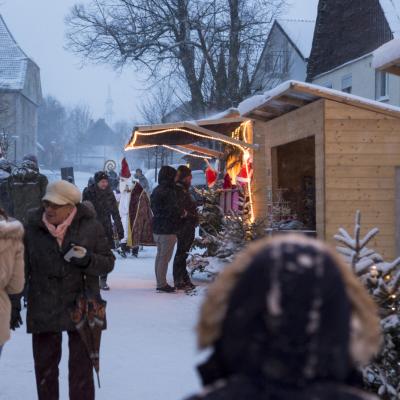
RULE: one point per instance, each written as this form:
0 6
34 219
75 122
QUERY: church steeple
109 115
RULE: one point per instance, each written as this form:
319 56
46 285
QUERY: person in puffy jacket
287 321
55 283
11 270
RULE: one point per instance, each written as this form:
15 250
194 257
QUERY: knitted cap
125 172
99 176
62 193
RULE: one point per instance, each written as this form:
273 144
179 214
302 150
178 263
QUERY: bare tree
180 38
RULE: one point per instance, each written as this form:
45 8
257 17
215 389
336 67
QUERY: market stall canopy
186 135
387 57
292 95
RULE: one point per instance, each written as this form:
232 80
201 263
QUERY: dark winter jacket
164 204
106 208
5 199
26 189
285 334
53 283
188 204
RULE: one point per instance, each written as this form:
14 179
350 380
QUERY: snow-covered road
148 351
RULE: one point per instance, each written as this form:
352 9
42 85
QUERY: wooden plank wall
362 153
299 124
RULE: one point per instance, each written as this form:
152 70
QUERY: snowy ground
148 351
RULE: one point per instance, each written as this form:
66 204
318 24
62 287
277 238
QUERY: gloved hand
82 262
16 320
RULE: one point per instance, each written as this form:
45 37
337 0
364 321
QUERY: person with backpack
105 204
27 187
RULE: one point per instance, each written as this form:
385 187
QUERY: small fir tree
382 280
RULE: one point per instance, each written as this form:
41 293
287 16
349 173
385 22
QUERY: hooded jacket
164 203
279 323
106 208
11 270
53 283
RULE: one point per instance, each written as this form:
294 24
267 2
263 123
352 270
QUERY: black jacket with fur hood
279 322
53 283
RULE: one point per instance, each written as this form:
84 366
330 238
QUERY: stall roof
184 134
292 95
387 57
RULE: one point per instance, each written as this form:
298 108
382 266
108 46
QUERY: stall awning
185 135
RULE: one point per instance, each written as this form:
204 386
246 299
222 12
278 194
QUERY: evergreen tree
382 280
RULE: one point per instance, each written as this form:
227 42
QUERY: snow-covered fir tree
382 280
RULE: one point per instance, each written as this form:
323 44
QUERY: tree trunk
234 52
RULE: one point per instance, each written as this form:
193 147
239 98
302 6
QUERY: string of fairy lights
236 134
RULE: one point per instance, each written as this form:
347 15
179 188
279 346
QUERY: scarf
59 231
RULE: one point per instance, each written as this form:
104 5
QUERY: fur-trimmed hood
286 304
10 230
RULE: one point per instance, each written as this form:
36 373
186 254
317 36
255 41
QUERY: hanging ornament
246 171
211 175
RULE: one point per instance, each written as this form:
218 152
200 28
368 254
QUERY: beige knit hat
62 193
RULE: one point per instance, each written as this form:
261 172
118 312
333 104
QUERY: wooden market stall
328 153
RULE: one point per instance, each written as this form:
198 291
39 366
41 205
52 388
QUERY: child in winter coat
11 269
287 321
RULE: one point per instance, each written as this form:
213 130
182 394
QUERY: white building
285 54
344 41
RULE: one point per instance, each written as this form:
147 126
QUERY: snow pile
387 54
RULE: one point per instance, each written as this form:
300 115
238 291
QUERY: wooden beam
203 150
293 101
266 115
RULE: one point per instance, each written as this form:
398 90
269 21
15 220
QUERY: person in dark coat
186 230
105 204
5 199
166 219
55 284
287 321
27 187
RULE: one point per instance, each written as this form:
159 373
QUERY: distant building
100 144
285 54
20 95
346 34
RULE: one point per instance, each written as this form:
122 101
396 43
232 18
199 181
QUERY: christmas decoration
211 175
125 171
382 280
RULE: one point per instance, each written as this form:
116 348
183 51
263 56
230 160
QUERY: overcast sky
38 26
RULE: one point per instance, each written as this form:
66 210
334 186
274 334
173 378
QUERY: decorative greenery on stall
221 236
382 280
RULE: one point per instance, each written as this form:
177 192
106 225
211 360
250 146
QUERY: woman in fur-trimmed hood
287 320
11 269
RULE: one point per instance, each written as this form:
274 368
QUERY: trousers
185 238
47 356
165 249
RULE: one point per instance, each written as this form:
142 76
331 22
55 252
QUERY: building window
381 85
277 62
347 83
328 85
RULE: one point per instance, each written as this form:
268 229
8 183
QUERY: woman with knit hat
287 320
65 246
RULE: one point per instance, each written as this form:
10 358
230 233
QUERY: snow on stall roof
13 60
300 32
229 113
251 104
386 54
391 8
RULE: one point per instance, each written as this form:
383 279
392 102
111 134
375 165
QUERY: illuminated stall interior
227 139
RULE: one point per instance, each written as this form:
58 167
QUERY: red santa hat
125 171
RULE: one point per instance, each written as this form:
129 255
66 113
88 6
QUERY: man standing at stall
105 204
186 230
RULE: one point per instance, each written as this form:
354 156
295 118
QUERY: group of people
286 320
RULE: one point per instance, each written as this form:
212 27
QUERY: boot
166 289
135 251
122 250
